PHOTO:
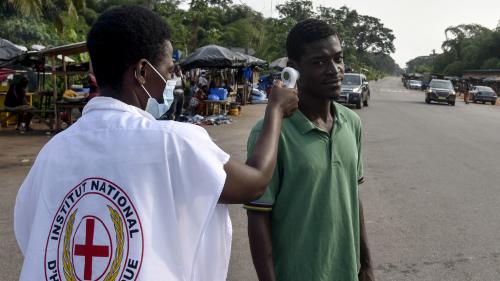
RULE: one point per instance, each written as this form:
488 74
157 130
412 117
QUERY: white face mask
158 109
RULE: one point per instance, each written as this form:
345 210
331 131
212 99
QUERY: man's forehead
327 46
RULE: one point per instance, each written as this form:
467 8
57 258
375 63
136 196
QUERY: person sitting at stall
227 86
193 88
197 102
17 101
202 80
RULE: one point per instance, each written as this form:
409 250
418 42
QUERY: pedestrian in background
175 110
468 88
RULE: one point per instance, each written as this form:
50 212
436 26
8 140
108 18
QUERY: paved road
432 195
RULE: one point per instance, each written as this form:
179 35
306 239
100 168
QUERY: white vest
121 196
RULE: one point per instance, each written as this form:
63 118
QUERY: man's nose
333 68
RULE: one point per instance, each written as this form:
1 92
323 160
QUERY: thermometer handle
289 76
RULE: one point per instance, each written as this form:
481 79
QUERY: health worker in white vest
121 196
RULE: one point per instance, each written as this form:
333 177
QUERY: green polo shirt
313 198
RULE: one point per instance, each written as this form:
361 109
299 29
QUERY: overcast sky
418 25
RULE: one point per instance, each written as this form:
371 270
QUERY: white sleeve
24 210
196 166
200 162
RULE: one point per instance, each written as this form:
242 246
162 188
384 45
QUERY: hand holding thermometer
283 96
289 76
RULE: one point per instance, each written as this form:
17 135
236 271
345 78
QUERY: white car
415 84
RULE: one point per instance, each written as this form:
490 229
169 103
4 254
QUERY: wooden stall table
216 104
66 106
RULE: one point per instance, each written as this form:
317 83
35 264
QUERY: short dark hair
121 37
305 32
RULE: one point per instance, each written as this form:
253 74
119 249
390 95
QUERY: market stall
221 64
62 66
9 52
279 63
493 82
15 60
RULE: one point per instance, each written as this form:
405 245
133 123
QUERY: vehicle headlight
357 90
453 93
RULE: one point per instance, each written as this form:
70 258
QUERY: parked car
355 90
483 94
440 91
415 84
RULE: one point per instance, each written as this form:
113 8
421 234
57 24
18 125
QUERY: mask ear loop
157 72
146 91
142 85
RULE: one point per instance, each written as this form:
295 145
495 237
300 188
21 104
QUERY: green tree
366 42
28 31
491 63
344 21
199 11
423 69
68 19
52 22
178 21
373 36
456 35
419 64
297 10
275 33
27 7
384 63
467 46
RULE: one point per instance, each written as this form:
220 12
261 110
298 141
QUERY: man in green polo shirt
309 224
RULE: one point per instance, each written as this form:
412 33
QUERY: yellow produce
70 94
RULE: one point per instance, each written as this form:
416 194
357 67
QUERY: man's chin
328 93
334 94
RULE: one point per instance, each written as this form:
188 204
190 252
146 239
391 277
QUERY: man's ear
140 72
293 64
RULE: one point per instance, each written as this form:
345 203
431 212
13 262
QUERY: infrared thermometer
289 76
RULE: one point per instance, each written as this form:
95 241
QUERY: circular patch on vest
96 234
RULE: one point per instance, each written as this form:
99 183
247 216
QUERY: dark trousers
175 110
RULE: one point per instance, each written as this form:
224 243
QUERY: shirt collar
304 125
108 103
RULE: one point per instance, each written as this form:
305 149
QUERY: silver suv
355 90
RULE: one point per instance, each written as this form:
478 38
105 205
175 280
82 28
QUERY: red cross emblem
89 250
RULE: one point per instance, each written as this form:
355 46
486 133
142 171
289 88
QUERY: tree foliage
195 23
467 46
